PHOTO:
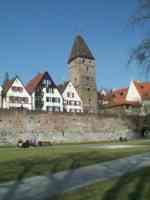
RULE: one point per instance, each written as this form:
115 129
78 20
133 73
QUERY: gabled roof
143 89
34 83
63 86
119 96
80 49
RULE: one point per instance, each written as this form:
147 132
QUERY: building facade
82 70
72 101
45 95
15 95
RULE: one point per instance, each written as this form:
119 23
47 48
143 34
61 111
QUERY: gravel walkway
42 188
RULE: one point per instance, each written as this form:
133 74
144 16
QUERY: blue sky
37 35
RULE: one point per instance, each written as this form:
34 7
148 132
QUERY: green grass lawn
19 163
132 186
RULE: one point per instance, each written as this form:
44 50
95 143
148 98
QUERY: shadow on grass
55 184
131 185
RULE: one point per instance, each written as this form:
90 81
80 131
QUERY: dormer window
121 94
142 86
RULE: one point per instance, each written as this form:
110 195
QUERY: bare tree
141 53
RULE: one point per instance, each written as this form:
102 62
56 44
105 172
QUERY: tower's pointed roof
80 49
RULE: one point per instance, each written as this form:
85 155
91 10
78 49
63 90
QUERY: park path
42 187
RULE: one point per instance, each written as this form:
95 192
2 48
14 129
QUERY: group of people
28 143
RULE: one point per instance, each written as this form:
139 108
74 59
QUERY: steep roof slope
62 87
143 89
80 49
33 84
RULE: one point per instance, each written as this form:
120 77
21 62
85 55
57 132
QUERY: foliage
141 53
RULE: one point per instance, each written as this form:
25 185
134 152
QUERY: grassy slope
133 186
19 163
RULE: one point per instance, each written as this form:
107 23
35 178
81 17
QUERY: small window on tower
89 100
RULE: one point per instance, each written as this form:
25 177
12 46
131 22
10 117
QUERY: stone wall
63 127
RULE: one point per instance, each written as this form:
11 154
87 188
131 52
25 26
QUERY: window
47 90
49 109
51 90
88 89
17 89
56 109
87 68
65 102
68 94
72 95
121 93
47 99
89 100
53 99
18 100
25 100
83 60
78 103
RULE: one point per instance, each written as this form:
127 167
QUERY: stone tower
82 69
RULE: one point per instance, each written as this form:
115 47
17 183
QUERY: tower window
82 60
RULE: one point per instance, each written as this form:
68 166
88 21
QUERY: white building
135 91
138 92
15 95
72 101
45 95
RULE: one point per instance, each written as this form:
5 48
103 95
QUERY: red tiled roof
119 96
143 89
33 84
